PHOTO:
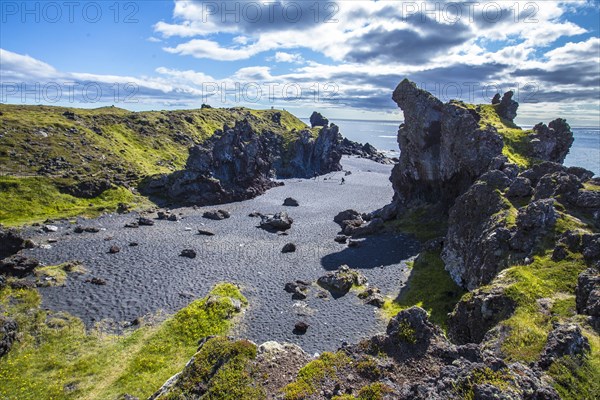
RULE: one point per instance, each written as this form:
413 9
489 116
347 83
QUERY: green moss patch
59 358
430 287
56 275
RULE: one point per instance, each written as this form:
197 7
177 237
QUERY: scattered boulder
341 239
278 222
114 249
521 187
50 228
372 296
564 340
204 232
189 253
8 334
342 280
300 328
132 225
142 221
216 215
291 202
288 248
96 281
133 244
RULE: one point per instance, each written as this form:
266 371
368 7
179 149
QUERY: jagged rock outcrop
443 148
239 163
507 107
487 232
317 119
411 360
552 142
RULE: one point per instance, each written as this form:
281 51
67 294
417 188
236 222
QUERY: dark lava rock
2 282
372 296
300 328
18 266
134 244
582 174
565 340
8 334
132 225
291 202
558 184
437 165
204 232
96 281
189 253
342 280
353 243
521 187
162 215
552 142
216 215
288 248
12 242
114 249
367 151
588 293
173 218
507 108
316 119
278 222
588 199
341 239
471 319
145 221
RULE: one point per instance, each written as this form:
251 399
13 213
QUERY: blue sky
343 58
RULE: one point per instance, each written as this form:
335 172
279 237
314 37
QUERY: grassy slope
108 142
56 358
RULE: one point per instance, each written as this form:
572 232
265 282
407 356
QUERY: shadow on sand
374 251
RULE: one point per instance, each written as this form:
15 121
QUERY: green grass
57 358
499 379
430 287
34 199
423 222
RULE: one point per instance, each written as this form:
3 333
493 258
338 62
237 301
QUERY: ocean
585 151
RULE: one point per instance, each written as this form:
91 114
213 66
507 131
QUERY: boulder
114 249
552 142
216 215
277 222
300 328
507 107
291 202
520 187
588 293
342 280
288 248
142 221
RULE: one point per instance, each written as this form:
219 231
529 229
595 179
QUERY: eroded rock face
588 295
552 142
507 107
239 163
443 149
317 119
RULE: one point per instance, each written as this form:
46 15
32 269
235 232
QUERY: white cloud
283 57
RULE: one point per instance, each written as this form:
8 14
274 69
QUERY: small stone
189 253
205 232
341 239
133 244
173 217
216 215
114 249
96 281
50 228
289 248
353 243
